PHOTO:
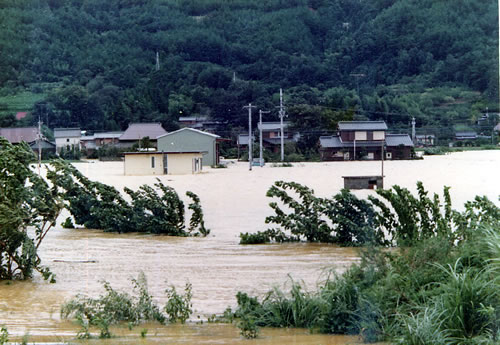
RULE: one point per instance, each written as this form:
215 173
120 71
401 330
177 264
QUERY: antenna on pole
261 159
282 114
250 156
157 61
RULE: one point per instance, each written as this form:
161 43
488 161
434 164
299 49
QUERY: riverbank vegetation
394 217
99 206
120 307
29 208
441 286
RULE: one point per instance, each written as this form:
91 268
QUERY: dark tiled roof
362 126
398 139
137 131
466 134
330 141
67 133
16 135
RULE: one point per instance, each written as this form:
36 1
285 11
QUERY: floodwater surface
233 201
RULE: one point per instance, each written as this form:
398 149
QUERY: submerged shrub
179 307
114 307
343 219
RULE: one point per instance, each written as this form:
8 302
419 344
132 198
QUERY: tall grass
431 293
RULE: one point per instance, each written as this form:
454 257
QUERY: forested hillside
94 61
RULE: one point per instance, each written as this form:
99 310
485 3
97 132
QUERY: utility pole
39 139
261 159
413 136
282 115
382 162
250 155
157 61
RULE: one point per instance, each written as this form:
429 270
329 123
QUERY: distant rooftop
16 135
270 126
137 131
362 126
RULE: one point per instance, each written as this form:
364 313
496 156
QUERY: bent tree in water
28 210
96 205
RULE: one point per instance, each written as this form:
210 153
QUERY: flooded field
233 201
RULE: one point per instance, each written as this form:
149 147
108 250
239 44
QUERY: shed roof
67 133
398 139
189 129
137 131
16 135
362 126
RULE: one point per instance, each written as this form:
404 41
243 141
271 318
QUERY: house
424 140
162 163
192 140
364 140
137 131
67 138
465 135
30 136
271 135
98 140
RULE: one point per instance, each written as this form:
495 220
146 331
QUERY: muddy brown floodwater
233 201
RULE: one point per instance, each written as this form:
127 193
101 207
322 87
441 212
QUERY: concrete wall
140 164
187 140
182 163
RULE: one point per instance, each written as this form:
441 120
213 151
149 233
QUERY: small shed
363 182
162 163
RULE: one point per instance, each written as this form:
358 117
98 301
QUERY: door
165 164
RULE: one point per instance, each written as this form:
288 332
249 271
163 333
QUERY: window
378 135
152 162
360 135
67 140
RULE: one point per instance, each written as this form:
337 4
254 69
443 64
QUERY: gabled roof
189 129
67 133
272 126
137 131
362 126
16 135
398 139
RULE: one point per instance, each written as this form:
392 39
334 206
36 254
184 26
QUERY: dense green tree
28 210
